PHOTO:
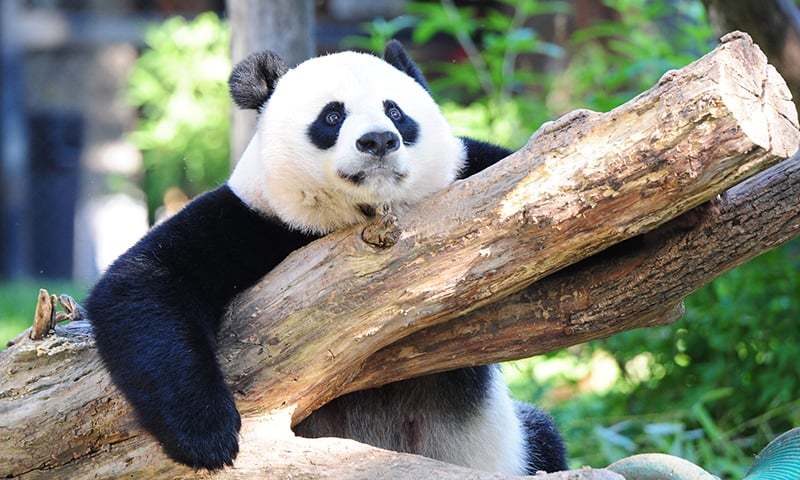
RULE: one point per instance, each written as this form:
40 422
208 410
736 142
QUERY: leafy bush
179 85
614 60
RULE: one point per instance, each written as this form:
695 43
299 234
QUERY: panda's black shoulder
480 155
216 245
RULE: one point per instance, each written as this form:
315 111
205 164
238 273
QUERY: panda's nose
378 143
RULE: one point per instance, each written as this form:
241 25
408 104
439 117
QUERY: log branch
637 283
316 325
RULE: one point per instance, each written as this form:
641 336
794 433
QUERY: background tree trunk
15 224
323 317
283 26
773 24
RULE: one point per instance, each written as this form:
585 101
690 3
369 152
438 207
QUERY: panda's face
344 134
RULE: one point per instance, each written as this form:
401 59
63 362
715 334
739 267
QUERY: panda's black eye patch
324 131
407 126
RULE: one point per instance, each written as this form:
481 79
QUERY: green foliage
714 388
615 60
741 321
492 95
18 303
378 33
179 85
486 96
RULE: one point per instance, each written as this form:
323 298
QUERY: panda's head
339 136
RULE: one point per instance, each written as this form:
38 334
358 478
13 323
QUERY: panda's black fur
157 310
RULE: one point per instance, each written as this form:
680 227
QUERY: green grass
18 302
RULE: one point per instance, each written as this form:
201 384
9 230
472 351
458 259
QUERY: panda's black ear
253 79
395 55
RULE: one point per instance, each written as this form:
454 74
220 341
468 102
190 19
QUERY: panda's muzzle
378 144
378 147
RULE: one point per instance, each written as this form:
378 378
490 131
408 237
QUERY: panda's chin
374 188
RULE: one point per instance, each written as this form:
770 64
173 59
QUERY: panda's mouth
354 178
360 177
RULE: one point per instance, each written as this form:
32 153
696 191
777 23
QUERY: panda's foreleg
157 341
157 309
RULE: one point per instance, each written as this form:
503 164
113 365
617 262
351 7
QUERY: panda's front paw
209 439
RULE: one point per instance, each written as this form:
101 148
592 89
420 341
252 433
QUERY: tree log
316 323
637 283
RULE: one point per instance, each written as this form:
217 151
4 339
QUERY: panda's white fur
493 440
300 183
411 419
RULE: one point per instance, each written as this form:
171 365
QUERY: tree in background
179 85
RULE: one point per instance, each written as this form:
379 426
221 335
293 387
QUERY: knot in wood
384 232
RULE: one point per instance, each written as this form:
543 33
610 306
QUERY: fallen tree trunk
637 283
319 320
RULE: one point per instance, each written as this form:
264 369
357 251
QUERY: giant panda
337 137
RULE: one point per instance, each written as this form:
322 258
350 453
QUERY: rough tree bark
325 318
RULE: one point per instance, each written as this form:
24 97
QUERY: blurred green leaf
179 84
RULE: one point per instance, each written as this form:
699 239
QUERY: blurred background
116 112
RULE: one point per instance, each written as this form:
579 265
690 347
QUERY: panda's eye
395 114
333 118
